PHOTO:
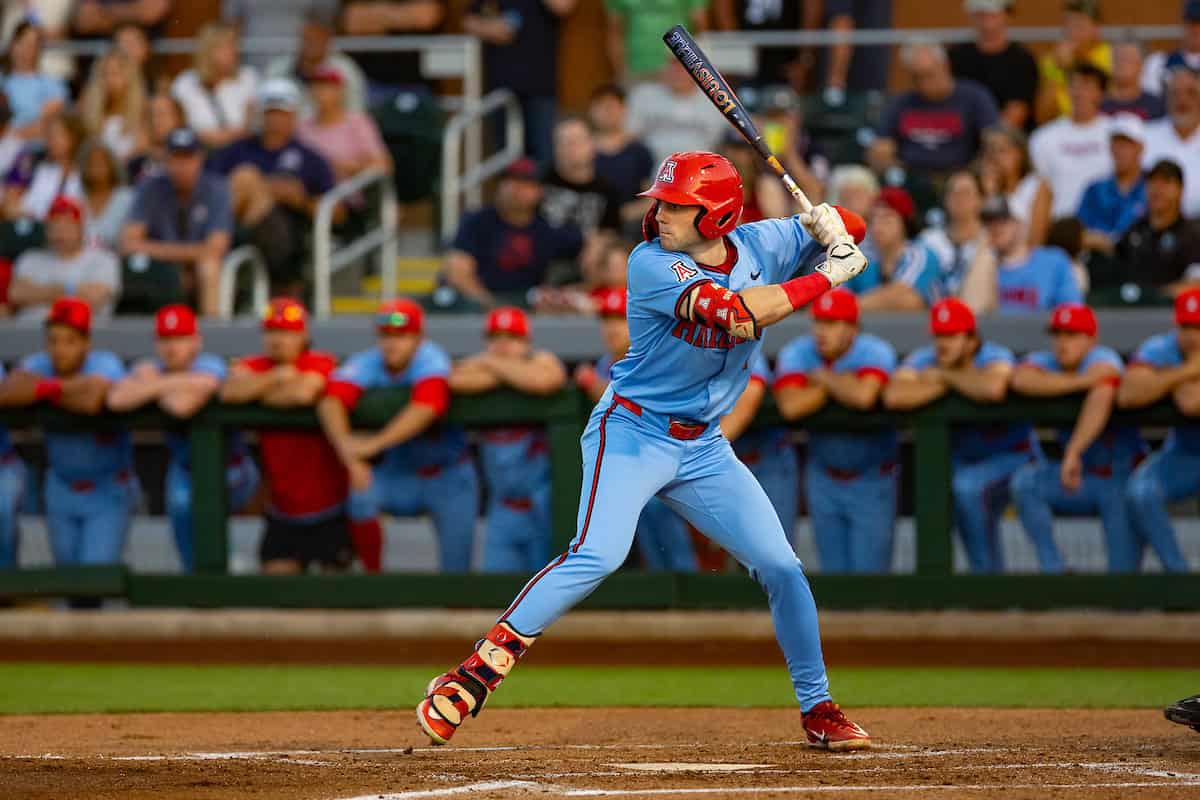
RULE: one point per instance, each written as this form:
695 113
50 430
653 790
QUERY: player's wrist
48 390
803 290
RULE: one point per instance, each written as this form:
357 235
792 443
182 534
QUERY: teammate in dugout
12 487
515 460
701 291
984 457
306 520
90 485
1098 457
1166 365
424 465
663 539
850 478
181 380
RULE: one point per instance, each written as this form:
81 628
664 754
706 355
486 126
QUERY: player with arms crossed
701 290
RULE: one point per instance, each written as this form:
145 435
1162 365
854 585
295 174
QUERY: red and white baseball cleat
446 705
828 728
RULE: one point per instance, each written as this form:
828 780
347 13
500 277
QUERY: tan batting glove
824 224
843 261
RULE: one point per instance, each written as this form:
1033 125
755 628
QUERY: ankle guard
465 689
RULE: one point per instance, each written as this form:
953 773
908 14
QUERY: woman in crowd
1006 170
113 104
902 274
218 92
165 115
34 96
853 187
348 140
106 196
963 236
35 180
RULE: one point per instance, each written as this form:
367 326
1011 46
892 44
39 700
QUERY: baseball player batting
701 292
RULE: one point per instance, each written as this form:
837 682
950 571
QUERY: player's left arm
857 391
910 388
541 373
303 389
734 423
84 394
1187 398
428 402
185 393
472 376
986 384
1093 418
20 388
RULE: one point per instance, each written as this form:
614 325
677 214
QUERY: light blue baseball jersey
1119 445
441 445
685 369
761 441
77 456
918 268
1162 352
973 443
868 355
177 440
1044 281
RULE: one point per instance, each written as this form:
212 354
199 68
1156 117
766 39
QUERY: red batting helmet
701 179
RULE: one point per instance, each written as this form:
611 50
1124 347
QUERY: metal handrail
326 261
242 256
455 180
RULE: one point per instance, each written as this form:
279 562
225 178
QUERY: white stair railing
327 261
458 184
245 256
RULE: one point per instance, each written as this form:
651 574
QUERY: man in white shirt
671 115
66 269
1176 137
1073 151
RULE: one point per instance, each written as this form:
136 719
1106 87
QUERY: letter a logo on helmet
667 174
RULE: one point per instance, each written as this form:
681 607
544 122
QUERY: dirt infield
672 753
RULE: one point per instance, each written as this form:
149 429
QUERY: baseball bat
721 95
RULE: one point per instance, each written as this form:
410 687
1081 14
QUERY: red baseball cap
837 305
400 316
65 206
507 319
327 73
1187 308
897 200
175 320
285 314
610 301
72 312
1073 318
951 316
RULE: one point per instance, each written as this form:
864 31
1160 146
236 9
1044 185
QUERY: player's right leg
12 487
1168 476
106 526
1035 490
503 532
979 490
64 511
452 497
178 500
624 465
829 528
872 527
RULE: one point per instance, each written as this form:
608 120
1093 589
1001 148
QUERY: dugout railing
933 585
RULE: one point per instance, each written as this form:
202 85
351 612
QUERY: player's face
177 352
505 345
953 351
615 333
67 348
1071 348
834 337
1189 340
677 226
284 347
398 349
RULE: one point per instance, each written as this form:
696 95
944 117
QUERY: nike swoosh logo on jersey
755 275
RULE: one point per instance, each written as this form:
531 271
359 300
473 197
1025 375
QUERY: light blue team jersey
178 442
685 369
1119 445
441 445
847 452
75 456
918 268
973 443
761 442
1044 281
1162 352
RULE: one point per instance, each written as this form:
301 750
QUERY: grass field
75 688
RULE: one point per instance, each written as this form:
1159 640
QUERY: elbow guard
722 309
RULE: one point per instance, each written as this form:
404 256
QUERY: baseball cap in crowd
279 94
285 314
1187 309
1191 11
1089 7
987 6
995 208
1073 318
400 316
951 316
66 207
610 301
182 140
175 320
837 305
72 312
1166 168
522 169
897 200
1127 125
327 73
507 319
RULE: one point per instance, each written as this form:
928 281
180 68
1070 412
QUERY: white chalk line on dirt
751 769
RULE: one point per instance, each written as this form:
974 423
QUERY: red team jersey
323 482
